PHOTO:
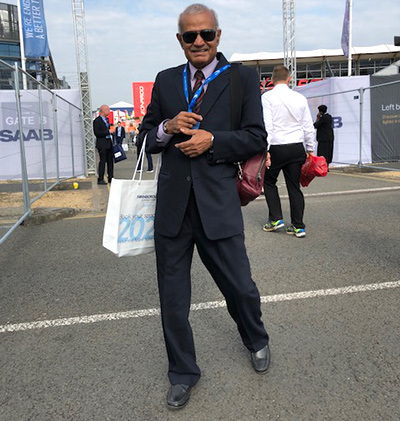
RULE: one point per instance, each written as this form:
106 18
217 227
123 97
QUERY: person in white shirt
290 129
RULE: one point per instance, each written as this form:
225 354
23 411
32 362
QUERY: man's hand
268 161
310 153
199 143
183 120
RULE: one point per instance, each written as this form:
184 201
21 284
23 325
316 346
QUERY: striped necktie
199 80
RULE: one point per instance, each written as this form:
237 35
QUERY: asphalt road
335 356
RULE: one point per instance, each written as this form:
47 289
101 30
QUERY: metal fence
41 144
371 138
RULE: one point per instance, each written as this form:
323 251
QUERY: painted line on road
340 193
370 177
194 307
333 193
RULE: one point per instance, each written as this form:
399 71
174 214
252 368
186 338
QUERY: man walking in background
119 134
104 141
289 125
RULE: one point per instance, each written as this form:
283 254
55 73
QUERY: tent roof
356 51
393 69
121 104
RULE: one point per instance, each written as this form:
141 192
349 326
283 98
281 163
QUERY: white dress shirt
287 117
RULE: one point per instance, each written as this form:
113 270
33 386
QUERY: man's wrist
165 126
212 141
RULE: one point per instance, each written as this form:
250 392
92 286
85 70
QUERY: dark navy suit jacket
212 175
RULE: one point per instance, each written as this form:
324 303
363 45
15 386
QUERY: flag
34 28
346 30
141 97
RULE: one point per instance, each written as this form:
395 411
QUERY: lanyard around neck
198 92
105 121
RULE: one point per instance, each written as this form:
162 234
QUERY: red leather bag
250 178
315 166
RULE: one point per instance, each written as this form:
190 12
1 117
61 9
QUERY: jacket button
188 178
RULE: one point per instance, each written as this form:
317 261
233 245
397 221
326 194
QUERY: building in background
321 64
41 68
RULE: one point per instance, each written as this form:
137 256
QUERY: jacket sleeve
151 121
99 128
251 138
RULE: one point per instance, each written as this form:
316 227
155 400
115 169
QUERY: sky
132 40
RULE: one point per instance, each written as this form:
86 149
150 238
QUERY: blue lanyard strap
198 92
105 121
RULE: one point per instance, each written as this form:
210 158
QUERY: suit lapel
216 87
214 90
179 86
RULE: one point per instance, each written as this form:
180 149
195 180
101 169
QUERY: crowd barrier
366 119
52 149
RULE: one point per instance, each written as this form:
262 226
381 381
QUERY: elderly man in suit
197 199
104 142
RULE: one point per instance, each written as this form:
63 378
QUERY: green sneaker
298 232
273 225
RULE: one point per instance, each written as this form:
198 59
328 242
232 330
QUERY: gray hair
195 9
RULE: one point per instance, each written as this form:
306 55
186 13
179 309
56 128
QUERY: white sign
345 111
69 134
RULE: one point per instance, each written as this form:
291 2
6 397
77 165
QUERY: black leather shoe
260 360
178 396
102 183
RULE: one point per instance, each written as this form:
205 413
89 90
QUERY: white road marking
201 306
339 193
261 197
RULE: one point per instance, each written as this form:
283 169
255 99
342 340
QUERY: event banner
69 136
34 28
385 118
341 96
141 97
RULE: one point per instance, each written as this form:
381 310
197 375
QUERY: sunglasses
189 37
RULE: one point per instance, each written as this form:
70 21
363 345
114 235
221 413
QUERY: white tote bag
129 225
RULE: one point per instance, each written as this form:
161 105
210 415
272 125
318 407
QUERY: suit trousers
228 264
106 156
325 149
289 158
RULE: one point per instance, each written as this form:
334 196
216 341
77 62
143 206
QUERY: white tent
121 105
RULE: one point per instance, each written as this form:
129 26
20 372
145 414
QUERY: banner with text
70 141
34 28
141 97
385 119
341 96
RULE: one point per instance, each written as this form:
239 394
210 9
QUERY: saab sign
30 122
64 153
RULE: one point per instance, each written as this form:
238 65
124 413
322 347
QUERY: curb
42 215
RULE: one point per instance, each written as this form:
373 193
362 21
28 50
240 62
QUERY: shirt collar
281 86
207 70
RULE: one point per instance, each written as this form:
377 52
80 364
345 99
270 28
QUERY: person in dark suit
119 133
197 199
104 141
325 136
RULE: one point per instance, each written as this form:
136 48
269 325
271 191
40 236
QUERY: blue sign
34 28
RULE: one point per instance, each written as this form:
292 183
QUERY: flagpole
350 35
21 45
